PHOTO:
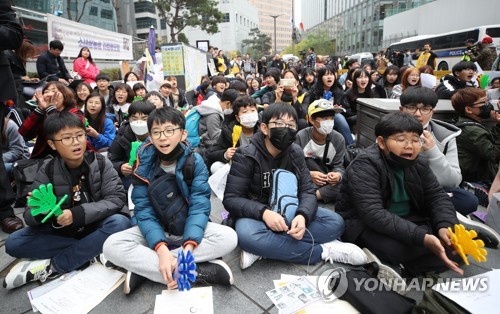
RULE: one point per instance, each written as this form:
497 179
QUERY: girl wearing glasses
55 96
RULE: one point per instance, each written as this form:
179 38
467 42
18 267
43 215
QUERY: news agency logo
332 284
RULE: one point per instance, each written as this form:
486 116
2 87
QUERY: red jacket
87 73
32 128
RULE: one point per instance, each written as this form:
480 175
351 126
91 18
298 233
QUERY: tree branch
83 10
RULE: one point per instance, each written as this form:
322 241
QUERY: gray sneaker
489 236
388 275
28 271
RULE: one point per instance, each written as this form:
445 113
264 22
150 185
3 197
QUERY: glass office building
357 25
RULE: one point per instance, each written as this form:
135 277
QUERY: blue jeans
256 238
464 201
342 127
66 253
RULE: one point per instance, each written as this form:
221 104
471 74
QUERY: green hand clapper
43 201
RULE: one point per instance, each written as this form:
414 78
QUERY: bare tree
68 9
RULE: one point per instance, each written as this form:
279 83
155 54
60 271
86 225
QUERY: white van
364 58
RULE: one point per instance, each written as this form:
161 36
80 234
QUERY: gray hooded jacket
211 120
443 158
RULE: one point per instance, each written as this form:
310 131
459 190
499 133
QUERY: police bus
449 47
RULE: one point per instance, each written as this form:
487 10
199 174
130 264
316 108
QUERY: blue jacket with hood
197 196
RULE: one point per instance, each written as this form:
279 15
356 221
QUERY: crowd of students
394 201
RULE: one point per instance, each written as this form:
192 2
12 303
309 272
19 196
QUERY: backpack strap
188 169
49 170
325 152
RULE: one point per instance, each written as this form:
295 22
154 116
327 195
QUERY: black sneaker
489 236
479 191
132 281
103 261
214 272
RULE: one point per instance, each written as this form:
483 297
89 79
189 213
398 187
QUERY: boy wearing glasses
95 208
170 215
394 206
324 150
265 233
439 146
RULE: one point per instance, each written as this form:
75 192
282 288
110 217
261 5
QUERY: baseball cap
470 40
322 105
487 40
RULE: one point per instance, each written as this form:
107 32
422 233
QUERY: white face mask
325 127
139 127
249 120
228 111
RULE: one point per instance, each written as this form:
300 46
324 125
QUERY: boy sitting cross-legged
263 232
170 213
393 204
95 208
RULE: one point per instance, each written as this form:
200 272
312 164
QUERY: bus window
493 31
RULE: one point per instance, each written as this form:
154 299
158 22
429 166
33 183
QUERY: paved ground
246 296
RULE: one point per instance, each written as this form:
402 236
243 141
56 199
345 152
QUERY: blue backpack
192 123
284 195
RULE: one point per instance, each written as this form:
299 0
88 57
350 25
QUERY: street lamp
274 18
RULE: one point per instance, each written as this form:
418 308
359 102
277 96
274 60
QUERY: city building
446 16
353 25
239 17
282 9
96 13
314 12
145 15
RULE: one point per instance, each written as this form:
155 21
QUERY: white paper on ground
294 296
337 306
476 301
217 181
46 288
82 292
196 300
428 80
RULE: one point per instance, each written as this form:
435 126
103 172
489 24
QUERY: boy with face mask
324 150
265 233
171 215
242 125
394 206
135 129
213 112
478 145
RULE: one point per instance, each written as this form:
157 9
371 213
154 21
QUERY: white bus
449 47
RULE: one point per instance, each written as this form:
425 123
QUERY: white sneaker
27 271
389 276
247 259
347 253
489 236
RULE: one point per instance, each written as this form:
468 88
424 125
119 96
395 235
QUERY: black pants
6 193
417 260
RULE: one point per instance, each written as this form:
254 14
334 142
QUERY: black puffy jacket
449 85
119 152
366 197
249 180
